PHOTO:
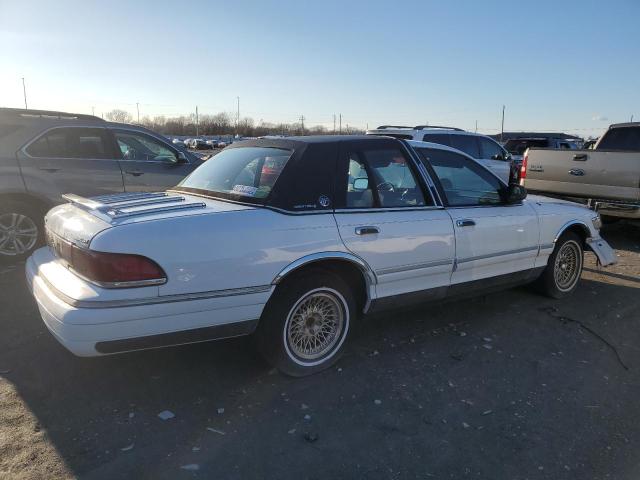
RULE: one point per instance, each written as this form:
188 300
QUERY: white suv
484 149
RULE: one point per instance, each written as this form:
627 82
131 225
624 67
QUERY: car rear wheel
305 325
21 231
563 270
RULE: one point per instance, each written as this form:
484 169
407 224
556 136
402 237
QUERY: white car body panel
503 240
224 260
413 251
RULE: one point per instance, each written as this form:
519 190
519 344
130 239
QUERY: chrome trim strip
370 275
546 246
386 209
414 266
497 254
183 297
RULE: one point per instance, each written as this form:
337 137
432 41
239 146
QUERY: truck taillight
116 270
523 168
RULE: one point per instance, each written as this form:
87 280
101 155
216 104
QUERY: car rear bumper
618 209
92 329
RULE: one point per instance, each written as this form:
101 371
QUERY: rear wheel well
348 271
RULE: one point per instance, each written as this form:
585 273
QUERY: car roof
423 131
437 146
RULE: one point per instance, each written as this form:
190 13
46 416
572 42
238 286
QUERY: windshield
240 172
518 146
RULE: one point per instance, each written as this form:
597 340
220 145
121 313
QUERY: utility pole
138 110
502 129
93 111
238 116
334 123
24 91
340 124
197 123
476 126
302 123
632 118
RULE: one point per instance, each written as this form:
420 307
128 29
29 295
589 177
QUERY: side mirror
516 193
497 156
361 184
182 157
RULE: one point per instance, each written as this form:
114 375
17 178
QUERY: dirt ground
507 386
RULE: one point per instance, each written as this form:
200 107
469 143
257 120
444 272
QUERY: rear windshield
621 138
243 172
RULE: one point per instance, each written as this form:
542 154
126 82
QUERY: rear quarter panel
203 253
606 174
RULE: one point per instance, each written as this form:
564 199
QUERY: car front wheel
563 270
305 325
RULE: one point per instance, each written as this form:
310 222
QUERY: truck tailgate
584 173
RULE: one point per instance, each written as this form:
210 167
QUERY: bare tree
121 116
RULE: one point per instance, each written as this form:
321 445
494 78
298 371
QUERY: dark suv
44 155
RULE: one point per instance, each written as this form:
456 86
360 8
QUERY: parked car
607 176
178 142
517 146
480 147
293 240
45 154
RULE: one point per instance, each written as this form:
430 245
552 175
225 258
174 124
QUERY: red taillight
116 269
523 168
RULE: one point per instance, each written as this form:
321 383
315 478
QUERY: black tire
278 326
572 257
26 217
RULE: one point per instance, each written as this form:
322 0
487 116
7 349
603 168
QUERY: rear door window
71 142
466 143
382 178
440 138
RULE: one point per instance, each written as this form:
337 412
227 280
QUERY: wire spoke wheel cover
567 266
316 326
18 234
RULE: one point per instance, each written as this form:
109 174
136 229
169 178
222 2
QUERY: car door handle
576 172
367 230
465 222
49 169
580 157
135 173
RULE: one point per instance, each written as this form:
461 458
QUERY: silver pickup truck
607 177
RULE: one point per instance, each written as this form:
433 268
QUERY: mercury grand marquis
294 240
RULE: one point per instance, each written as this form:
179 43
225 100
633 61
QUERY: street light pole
24 92
502 130
138 109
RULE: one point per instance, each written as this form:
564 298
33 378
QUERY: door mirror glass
516 193
361 184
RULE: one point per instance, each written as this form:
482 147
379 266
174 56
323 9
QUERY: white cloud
599 118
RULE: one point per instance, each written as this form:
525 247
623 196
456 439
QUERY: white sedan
294 240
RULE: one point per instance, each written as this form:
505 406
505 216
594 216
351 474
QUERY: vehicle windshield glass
240 172
517 146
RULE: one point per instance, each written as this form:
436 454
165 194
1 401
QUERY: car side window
382 178
466 143
72 142
137 146
359 192
491 149
465 183
441 138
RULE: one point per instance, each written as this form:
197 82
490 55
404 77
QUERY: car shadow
442 385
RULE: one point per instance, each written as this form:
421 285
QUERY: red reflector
112 269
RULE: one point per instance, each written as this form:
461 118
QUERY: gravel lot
511 385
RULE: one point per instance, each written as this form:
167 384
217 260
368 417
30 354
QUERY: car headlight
597 222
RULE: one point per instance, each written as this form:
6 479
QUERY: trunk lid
83 218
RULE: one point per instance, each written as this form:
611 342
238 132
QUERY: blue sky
556 65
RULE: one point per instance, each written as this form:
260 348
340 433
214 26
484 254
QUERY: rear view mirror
516 193
361 184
